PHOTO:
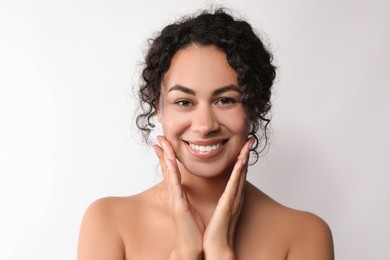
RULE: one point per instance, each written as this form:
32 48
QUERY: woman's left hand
218 239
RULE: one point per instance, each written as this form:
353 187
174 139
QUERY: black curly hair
245 52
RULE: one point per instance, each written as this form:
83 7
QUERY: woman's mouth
205 150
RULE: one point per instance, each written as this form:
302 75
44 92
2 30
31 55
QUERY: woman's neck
203 192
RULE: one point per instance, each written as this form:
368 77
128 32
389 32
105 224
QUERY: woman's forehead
196 66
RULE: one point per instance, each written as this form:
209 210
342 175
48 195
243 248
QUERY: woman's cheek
234 120
174 123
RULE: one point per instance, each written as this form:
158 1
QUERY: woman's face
200 111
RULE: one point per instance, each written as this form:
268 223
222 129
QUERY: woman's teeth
205 148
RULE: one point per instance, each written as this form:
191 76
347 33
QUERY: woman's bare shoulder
116 206
104 223
310 236
99 228
304 234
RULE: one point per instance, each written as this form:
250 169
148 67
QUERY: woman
208 81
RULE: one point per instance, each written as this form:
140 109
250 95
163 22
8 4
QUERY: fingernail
163 145
243 162
158 139
157 150
251 142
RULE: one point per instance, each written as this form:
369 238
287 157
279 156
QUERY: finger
160 154
238 175
174 181
179 200
167 148
164 169
244 170
172 168
245 152
233 187
169 153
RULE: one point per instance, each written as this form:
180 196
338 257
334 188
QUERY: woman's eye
183 103
226 101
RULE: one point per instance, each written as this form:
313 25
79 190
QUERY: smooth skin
217 238
204 208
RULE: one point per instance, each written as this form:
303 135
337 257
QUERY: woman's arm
99 238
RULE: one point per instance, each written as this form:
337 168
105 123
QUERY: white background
67 73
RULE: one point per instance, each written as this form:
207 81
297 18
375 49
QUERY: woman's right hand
189 226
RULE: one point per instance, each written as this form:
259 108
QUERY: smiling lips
208 148
205 151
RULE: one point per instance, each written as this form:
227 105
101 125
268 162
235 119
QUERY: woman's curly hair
245 52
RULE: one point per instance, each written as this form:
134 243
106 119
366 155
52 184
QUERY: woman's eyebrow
182 89
227 88
216 92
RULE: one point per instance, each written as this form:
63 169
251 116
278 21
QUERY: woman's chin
203 170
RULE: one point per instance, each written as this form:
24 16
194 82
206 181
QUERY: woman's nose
204 121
